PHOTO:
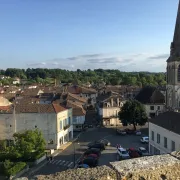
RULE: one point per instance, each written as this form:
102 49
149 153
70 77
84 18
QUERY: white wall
61 132
171 136
46 122
110 111
148 108
7 128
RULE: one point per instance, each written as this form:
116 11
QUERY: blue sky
130 35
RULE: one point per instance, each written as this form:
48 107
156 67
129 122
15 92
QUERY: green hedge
12 157
11 169
37 156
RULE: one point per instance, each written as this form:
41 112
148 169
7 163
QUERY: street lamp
116 120
74 146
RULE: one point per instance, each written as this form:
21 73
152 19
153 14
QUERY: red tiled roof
58 108
6 109
39 108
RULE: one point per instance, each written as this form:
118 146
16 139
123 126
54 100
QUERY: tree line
109 76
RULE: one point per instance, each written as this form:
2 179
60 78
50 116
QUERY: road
65 159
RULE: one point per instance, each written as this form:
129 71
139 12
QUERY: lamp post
74 147
116 120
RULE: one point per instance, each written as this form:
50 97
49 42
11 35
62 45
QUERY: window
178 74
165 142
158 107
158 138
69 120
61 125
173 146
152 135
151 107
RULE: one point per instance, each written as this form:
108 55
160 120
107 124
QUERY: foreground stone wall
149 168
98 173
158 167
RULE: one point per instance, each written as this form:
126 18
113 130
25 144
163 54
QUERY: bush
11 168
37 156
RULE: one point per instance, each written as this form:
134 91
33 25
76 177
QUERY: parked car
129 131
93 151
145 139
105 142
133 153
100 146
90 161
138 133
143 152
121 132
93 155
83 166
123 153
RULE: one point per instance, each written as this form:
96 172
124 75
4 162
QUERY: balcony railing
66 127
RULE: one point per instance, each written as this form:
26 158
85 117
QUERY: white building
164 133
53 120
78 114
16 81
108 106
152 99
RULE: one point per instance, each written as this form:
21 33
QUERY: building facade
173 69
164 133
152 99
108 107
53 120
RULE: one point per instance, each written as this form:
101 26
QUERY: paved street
65 159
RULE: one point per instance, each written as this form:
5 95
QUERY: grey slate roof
168 120
150 95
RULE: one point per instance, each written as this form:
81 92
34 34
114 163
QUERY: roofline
164 128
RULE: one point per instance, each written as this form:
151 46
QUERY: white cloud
131 62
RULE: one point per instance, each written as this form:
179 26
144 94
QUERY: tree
133 113
29 142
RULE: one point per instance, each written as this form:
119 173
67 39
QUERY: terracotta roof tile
6 109
58 108
39 108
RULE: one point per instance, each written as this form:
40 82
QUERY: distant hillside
109 77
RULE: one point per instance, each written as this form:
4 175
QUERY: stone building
173 69
53 120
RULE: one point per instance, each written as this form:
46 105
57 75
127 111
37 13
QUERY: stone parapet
149 168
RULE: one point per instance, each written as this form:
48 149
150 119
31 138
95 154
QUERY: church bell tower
173 69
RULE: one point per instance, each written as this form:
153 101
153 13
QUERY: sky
129 35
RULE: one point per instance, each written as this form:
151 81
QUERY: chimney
112 102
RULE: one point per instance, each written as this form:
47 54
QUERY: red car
93 155
133 153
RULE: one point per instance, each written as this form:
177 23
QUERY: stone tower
173 69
